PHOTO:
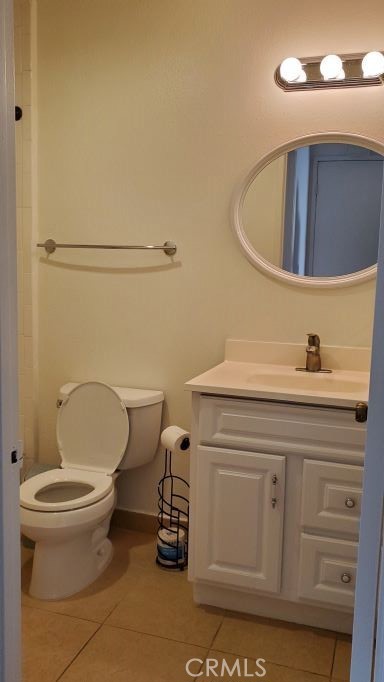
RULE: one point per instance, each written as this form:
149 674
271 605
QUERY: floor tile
50 643
242 669
124 656
161 603
133 553
289 645
342 662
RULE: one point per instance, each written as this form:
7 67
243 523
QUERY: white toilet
100 430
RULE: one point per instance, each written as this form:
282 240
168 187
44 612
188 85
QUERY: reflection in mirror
315 211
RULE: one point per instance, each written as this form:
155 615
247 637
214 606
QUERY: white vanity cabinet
275 506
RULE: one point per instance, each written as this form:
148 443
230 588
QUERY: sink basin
307 381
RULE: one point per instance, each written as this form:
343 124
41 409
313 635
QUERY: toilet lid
92 428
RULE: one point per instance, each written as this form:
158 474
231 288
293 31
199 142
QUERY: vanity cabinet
275 506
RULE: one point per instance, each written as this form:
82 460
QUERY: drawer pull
350 502
346 578
274 484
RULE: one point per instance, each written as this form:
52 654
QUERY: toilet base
63 569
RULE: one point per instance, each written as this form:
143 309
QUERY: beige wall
149 114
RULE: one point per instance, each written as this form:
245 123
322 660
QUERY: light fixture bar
352 75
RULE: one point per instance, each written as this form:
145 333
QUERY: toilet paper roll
175 439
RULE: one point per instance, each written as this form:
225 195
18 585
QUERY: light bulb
373 64
302 78
331 67
291 70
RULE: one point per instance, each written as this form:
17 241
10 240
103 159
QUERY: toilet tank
144 407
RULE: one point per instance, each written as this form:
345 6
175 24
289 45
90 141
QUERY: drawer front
280 427
331 498
327 570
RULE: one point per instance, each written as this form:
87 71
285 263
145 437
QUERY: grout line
201 666
217 630
333 658
78 653
150 634
59 613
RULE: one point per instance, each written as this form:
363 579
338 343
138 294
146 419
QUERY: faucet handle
313 340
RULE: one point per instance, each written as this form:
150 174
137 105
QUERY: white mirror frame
254 256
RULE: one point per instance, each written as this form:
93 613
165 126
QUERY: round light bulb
291 69
373 64
302 78
331 67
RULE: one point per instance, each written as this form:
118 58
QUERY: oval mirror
309 213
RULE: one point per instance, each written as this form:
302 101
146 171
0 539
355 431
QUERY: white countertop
270 381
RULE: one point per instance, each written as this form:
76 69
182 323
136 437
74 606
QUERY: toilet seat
56 479
92 428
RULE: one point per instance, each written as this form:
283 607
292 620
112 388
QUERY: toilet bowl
101 430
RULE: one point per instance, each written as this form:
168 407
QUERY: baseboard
270 607
139 521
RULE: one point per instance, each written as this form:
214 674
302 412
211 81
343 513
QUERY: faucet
313 363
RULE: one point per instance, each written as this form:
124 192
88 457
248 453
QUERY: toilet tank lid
131 397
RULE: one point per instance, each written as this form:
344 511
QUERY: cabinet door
239 518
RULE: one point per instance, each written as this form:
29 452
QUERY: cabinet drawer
277 426
332 496
327 570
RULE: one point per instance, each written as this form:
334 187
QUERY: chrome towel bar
50 246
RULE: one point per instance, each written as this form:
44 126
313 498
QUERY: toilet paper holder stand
173 518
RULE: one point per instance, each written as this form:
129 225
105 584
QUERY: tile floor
138 623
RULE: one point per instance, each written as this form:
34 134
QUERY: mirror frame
254 256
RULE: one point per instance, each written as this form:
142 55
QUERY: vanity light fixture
331 71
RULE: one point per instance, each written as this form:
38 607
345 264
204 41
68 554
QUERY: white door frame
9 470
369 584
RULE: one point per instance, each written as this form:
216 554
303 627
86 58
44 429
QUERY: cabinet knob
346 578
350 502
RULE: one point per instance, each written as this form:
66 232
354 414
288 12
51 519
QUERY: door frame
9 451
369 602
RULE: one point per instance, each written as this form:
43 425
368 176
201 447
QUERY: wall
27 295
149 114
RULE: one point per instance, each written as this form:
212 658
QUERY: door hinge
274 484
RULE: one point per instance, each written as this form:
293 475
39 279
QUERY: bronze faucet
313 362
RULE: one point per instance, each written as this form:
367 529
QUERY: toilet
100 430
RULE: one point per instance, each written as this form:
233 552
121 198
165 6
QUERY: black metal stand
173 518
